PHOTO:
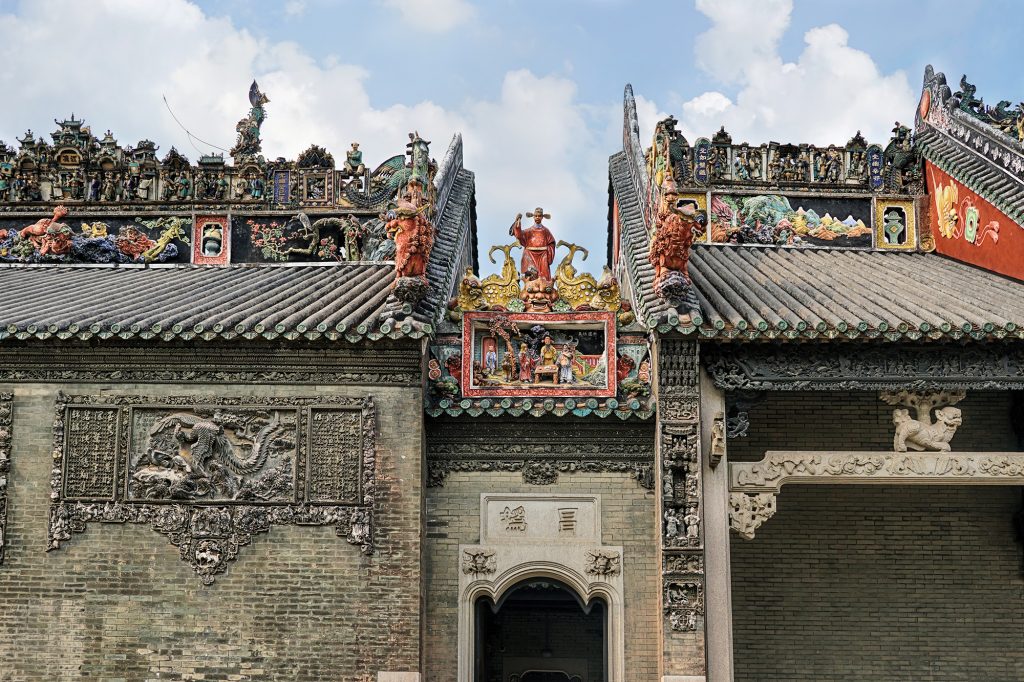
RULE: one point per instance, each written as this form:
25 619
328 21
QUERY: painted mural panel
968 228
563 354
781 220
63 237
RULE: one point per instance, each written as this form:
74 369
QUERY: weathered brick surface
878 582
627 518
299 603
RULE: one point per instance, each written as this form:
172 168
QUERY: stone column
681 511
718 583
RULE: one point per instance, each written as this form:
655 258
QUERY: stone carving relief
478 562
602 563
717 451
515 519
542 452
754 485
212 475
6 421
683 603
918 368
920 432
748 512
681 490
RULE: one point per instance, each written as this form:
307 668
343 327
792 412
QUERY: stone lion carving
913 434
921 432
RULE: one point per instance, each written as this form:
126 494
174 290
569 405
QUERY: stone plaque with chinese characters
540 518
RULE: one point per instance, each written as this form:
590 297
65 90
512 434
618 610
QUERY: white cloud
742 32
825 96
295 8
533 144
435 16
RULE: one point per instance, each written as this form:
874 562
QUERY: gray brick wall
300 603
876 582
627 518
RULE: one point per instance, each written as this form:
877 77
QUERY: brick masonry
299 603
627 515
878 582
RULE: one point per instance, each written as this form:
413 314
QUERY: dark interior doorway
540 631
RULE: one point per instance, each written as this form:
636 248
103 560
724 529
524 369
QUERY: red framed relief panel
970 229
211 240
538 354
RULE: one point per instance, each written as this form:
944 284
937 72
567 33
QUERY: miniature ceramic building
368 462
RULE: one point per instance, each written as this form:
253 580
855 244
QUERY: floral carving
748 512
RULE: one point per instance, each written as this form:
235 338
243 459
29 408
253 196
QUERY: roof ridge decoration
79 168
540 338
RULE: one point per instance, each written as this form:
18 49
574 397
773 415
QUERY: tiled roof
752 292
997 185
338 301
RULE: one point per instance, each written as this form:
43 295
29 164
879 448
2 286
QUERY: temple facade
266 420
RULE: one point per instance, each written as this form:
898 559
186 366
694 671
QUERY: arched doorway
540 630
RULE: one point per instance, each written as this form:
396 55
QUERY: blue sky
534 86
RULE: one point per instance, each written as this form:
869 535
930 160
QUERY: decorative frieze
918 368
6 430
542 451
237 364
755 485
210 475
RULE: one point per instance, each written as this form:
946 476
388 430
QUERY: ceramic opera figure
538 244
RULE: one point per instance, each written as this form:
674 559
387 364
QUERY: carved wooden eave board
212 474
754 486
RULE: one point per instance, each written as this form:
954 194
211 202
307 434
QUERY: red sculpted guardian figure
538 244
412 233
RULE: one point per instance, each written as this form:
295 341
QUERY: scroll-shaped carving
212 475
477 562
603 564
748 512
921 432
6 422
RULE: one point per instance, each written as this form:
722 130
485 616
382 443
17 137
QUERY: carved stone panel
210 475
6 421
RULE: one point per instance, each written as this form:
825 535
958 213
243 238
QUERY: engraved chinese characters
210 476
89 448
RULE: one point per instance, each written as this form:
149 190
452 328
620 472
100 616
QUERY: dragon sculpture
204 457
901 161
1004 116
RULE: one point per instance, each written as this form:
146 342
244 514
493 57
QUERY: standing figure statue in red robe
538 244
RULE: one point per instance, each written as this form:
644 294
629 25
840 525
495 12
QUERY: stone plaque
540 518
90 453
335 452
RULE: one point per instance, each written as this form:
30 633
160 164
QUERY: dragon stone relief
211 476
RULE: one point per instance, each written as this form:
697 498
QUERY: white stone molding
554 545
753 486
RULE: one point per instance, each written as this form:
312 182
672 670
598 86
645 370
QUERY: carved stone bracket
6 421
210 475
754 485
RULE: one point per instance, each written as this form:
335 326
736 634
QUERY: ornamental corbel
747 512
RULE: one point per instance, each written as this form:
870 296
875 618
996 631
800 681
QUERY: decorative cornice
249 363
867 368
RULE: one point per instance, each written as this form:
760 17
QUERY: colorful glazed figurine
538 244
670 251
526 363
538 294
564 362
412 233
354 161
